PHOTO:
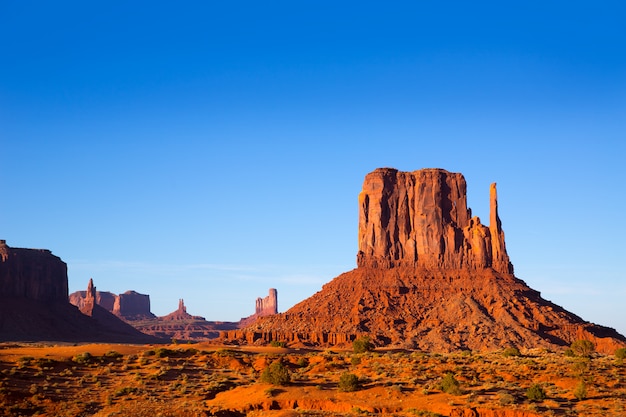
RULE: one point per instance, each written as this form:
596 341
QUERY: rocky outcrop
130 305
431 277
421 219
34 303
268 305
34 274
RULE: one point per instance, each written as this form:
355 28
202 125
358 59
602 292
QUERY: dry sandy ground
205 380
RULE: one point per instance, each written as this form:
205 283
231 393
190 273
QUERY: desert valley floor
210 380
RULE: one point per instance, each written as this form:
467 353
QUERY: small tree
276 374
620 353
362 345
450 385
536 393
583 348
511 351
580 392
348 382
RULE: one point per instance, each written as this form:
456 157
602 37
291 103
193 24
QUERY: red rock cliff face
35 274
421 219
268 305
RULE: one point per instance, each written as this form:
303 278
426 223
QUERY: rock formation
429 276
181 325
421 219
128 306
34 274
34 303
268 305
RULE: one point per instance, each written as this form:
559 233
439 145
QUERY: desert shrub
450 385
303 362
276 343
504 398
620 353
583 348
580 391
536 393
83 358
362 345
163 352
355 360
569 352
348 382
276 374
122 392
113 354
511 351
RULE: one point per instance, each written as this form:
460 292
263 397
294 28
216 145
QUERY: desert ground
209 380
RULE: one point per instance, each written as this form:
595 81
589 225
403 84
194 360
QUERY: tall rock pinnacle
421 218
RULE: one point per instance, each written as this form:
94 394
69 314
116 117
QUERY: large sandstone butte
34 303
430 276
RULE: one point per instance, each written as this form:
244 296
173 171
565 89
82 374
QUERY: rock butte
429 276
34 303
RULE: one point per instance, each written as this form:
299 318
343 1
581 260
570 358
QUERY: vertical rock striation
34 274
421 219
268 305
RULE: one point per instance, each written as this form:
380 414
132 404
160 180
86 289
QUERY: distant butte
34 303
430 276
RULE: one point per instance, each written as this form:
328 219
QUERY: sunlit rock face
431 277
421 219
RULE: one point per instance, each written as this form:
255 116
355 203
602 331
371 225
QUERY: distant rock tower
268 305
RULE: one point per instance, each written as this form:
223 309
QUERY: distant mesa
130 305
429 276
34 303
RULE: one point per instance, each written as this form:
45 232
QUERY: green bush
536 393
113 354
83 358
580 392
511 351
620 353
348 382
276 374
450 385
276 343
355 360
362 345
583 348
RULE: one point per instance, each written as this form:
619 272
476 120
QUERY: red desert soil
209 380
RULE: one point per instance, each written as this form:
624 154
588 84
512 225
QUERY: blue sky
212 151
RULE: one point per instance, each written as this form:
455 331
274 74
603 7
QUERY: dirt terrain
207 380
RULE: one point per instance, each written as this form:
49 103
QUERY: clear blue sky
212 150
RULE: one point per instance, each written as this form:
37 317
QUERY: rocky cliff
34 274
34 303
430 276
421 219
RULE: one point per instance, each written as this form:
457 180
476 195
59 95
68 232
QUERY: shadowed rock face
34 303
34 274
421 219
430 276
